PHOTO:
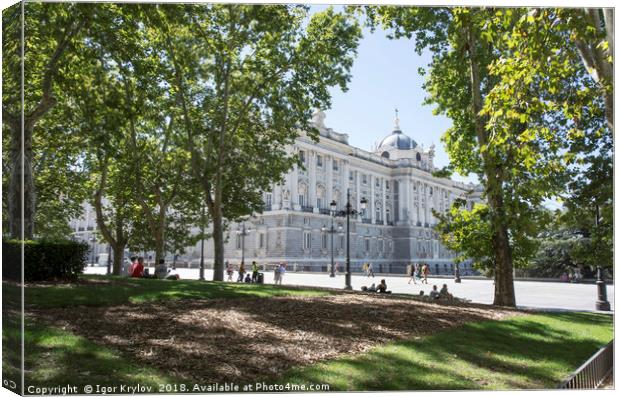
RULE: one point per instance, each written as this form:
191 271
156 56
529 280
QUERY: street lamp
348 212
243 232
602 303
457 273
331 230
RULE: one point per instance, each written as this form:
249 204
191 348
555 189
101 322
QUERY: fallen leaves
247 339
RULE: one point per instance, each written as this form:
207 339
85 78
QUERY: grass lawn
535 351
520 352
112 290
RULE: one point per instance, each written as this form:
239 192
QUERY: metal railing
593 372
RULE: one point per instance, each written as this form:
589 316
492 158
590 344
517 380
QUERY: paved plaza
529 294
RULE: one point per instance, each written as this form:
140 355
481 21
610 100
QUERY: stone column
312 179
329 185
371 201
345 184
293 188
358 191
383 182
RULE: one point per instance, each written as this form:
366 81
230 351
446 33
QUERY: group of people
419 272
441 294
368 270
381 288
255 276
137 269
572 276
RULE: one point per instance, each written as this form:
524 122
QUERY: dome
398 140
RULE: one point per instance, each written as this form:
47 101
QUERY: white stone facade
396 228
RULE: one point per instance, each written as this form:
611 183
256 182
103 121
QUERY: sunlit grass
524 352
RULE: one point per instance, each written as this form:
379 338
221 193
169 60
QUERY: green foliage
44 259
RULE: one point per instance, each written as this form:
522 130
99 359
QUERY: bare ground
233 339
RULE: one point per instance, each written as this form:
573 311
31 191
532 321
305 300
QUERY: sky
384 77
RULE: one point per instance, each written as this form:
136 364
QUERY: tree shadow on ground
228 340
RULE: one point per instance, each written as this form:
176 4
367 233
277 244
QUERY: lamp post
331 230
202 244
243 232
602 303
348 212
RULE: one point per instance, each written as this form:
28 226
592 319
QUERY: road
529 294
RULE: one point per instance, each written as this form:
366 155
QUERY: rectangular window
238 242
302 200
268 199
261 240
342 241
387 185
335 165
319 160
377 182
351 176
307 240
390 246
367 244
302 156
324 241
319 202
364 179
380 245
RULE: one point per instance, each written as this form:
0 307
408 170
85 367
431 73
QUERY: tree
52 31
247 79
511 108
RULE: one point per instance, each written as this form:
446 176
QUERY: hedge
43 260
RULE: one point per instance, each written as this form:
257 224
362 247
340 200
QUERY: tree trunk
119 251
504 283
218 245
19 190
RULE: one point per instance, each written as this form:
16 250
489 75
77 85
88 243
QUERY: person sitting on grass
138 268
382 288
248 278
444 294
434 294
172 274
372 288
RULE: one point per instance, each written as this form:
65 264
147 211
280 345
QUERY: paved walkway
540 295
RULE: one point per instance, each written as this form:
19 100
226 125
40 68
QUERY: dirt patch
245 339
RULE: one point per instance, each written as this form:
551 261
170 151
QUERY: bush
44 260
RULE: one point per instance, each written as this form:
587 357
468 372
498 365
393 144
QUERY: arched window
303 194
418 157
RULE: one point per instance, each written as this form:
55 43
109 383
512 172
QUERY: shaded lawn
111 290
535 351
57 357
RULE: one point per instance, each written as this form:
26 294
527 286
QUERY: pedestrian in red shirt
138 269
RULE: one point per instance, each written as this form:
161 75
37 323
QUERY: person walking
254 271
241 273
425 272
365 269
413 269
370 270
282 271
229 270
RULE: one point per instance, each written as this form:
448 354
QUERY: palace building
395 229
